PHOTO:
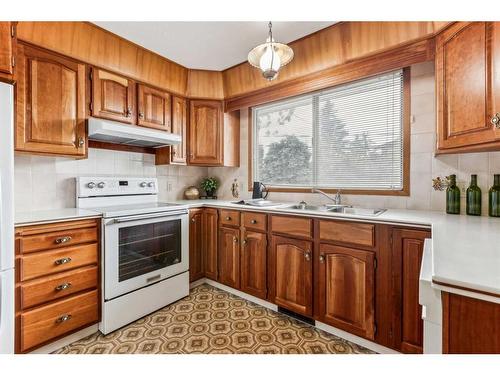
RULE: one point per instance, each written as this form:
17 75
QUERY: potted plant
210 185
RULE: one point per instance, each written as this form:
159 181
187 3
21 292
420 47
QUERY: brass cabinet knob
245 242
322 258
235 239
141 115
81 142
228 218
62 261
62 240
63 287
495 120
253 221
193 220
63 318
307 255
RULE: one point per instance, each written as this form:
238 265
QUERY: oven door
143 249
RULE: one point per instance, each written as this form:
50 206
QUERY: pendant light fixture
270 56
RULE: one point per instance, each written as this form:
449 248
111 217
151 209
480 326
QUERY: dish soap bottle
452 196
473 197
494 197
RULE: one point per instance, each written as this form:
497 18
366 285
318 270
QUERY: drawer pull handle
63 318
63 286
64 239
253 221
228 218
153 278
62 261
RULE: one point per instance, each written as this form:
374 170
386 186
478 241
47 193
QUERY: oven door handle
143 217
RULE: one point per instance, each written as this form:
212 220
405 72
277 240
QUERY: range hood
117 132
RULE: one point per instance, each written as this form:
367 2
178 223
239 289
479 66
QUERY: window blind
348 137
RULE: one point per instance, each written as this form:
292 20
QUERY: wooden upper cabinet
468 86
347 289
6 47
254 263
290 274
113 96
153 108
229 257
50 104
205 133
179 126
210 242
196 244
407 251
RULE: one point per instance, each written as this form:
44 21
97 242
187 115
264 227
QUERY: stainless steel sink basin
306 207
337 209
361 211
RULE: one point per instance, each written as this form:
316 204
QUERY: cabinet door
205 133
407 250
50 104
291 274
113 96
179 126
254 263
229 257
347 289
6 35
464 89
196 269
153 108
210 242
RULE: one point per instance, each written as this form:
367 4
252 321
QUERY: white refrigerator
6 219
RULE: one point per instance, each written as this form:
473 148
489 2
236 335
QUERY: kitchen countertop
465 249
51 216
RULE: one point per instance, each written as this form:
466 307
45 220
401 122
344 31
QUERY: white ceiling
208 45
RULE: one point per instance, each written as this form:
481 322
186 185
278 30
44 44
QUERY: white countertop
465 249
51 216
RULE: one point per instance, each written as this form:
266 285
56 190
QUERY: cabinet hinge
375 263
12 31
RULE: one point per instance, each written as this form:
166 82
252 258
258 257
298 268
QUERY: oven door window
148 247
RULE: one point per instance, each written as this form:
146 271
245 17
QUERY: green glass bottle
494 197
453 196
473 198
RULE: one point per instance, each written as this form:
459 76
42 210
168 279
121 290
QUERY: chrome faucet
337 198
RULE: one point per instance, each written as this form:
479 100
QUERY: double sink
336 209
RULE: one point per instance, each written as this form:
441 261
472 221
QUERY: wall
424 165
43 182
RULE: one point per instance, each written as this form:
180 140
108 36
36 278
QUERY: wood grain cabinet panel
6 47
254 221
254 263
196 244
179 126
291 226
206 133
470 326
347 232
210 242
48 322
467 63
50 104
113 96
230 218
407 251
62 238
154 108
291 274
229 257
347 289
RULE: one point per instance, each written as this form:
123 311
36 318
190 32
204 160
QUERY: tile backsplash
43 182
424 165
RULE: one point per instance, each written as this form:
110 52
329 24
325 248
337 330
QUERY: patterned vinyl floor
210 320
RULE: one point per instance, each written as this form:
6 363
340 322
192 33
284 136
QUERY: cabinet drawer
230 217
56 286
49 262
293 226
52 240
253 220
346 232
45 323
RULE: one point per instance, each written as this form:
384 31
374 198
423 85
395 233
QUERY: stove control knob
100 185
91 185
151 184
143 184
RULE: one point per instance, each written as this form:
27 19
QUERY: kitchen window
353 137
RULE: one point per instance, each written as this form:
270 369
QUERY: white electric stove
145 247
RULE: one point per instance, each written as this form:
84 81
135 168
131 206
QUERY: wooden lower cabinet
253 265
291 272
229 257
196 266
202 243
347 289
407 251
470 326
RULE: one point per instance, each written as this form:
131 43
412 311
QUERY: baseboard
56 345
322 326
